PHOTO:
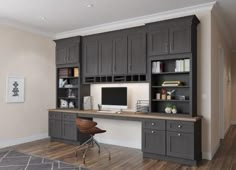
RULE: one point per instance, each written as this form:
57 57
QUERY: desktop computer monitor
114 98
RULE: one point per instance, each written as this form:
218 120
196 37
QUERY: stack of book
182 65
171 83
65 72
157 67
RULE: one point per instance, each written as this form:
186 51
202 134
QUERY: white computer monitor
114 98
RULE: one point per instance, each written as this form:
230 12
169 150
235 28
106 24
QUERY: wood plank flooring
127 158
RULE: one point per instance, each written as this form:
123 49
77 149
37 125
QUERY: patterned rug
12 160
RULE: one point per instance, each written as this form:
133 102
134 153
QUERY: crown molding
138 21
26 28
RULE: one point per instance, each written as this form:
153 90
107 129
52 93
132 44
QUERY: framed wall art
15 90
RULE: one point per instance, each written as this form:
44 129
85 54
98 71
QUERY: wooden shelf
68 77
155 100
166 73
170 87
69 87
72 98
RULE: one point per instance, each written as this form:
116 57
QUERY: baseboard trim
12 142
119 143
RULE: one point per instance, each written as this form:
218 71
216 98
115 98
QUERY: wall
32 57
218 43
233 66
118 131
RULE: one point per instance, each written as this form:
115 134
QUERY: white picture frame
15 90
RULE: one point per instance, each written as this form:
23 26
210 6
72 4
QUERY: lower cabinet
179 141
154 141
62 126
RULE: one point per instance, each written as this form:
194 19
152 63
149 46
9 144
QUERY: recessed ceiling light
90 5
42 18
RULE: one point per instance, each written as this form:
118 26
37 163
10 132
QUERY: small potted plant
168 108
174 110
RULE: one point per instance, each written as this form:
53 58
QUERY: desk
167 137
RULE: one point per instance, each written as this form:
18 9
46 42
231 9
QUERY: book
186 65
154 65
76 72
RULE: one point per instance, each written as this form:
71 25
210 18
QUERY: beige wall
218 43
32 57
233 66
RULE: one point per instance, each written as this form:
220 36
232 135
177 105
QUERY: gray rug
12 160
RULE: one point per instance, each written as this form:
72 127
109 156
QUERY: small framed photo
15 90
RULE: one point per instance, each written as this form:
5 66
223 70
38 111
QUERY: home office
168 62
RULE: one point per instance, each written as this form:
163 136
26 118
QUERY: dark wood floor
128 158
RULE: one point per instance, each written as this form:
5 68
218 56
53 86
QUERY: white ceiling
52 17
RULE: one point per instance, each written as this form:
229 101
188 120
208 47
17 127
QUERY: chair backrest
84 124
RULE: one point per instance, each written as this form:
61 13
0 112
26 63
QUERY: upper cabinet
90 56
137 51
120 54
67 51
105 56
172 36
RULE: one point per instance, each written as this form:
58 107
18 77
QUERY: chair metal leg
99 147
85 152
96 142
80 147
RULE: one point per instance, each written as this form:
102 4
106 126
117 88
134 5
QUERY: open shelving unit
186 106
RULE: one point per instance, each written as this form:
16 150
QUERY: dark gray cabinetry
120 52
67 51
62 126
158 40
105 56
90 56
137 51
154 137
69 129
174 140
172 36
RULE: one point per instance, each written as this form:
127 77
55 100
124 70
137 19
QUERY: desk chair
89 127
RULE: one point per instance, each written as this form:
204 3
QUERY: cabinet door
73 53
105 56
180 39
158 42
153 141
180 145
55 128
137 53
69 130
61 55
120 51
90 58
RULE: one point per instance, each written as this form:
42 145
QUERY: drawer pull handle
153 131
179 134
179 126
153 124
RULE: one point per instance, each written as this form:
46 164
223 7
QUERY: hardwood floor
127 158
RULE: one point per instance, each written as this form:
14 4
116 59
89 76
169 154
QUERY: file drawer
180 126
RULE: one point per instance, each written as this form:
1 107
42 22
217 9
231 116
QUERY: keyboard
107 111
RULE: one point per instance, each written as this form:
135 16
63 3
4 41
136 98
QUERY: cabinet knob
153 124
152 131
179 134
179 126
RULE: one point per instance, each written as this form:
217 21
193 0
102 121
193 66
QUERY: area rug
12 160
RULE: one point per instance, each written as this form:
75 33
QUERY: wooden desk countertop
135 116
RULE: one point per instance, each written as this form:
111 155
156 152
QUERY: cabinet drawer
69 116
55 115
154 124
180 145
180 126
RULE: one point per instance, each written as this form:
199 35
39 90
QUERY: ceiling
52 17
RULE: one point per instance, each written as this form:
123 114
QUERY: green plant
168 105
